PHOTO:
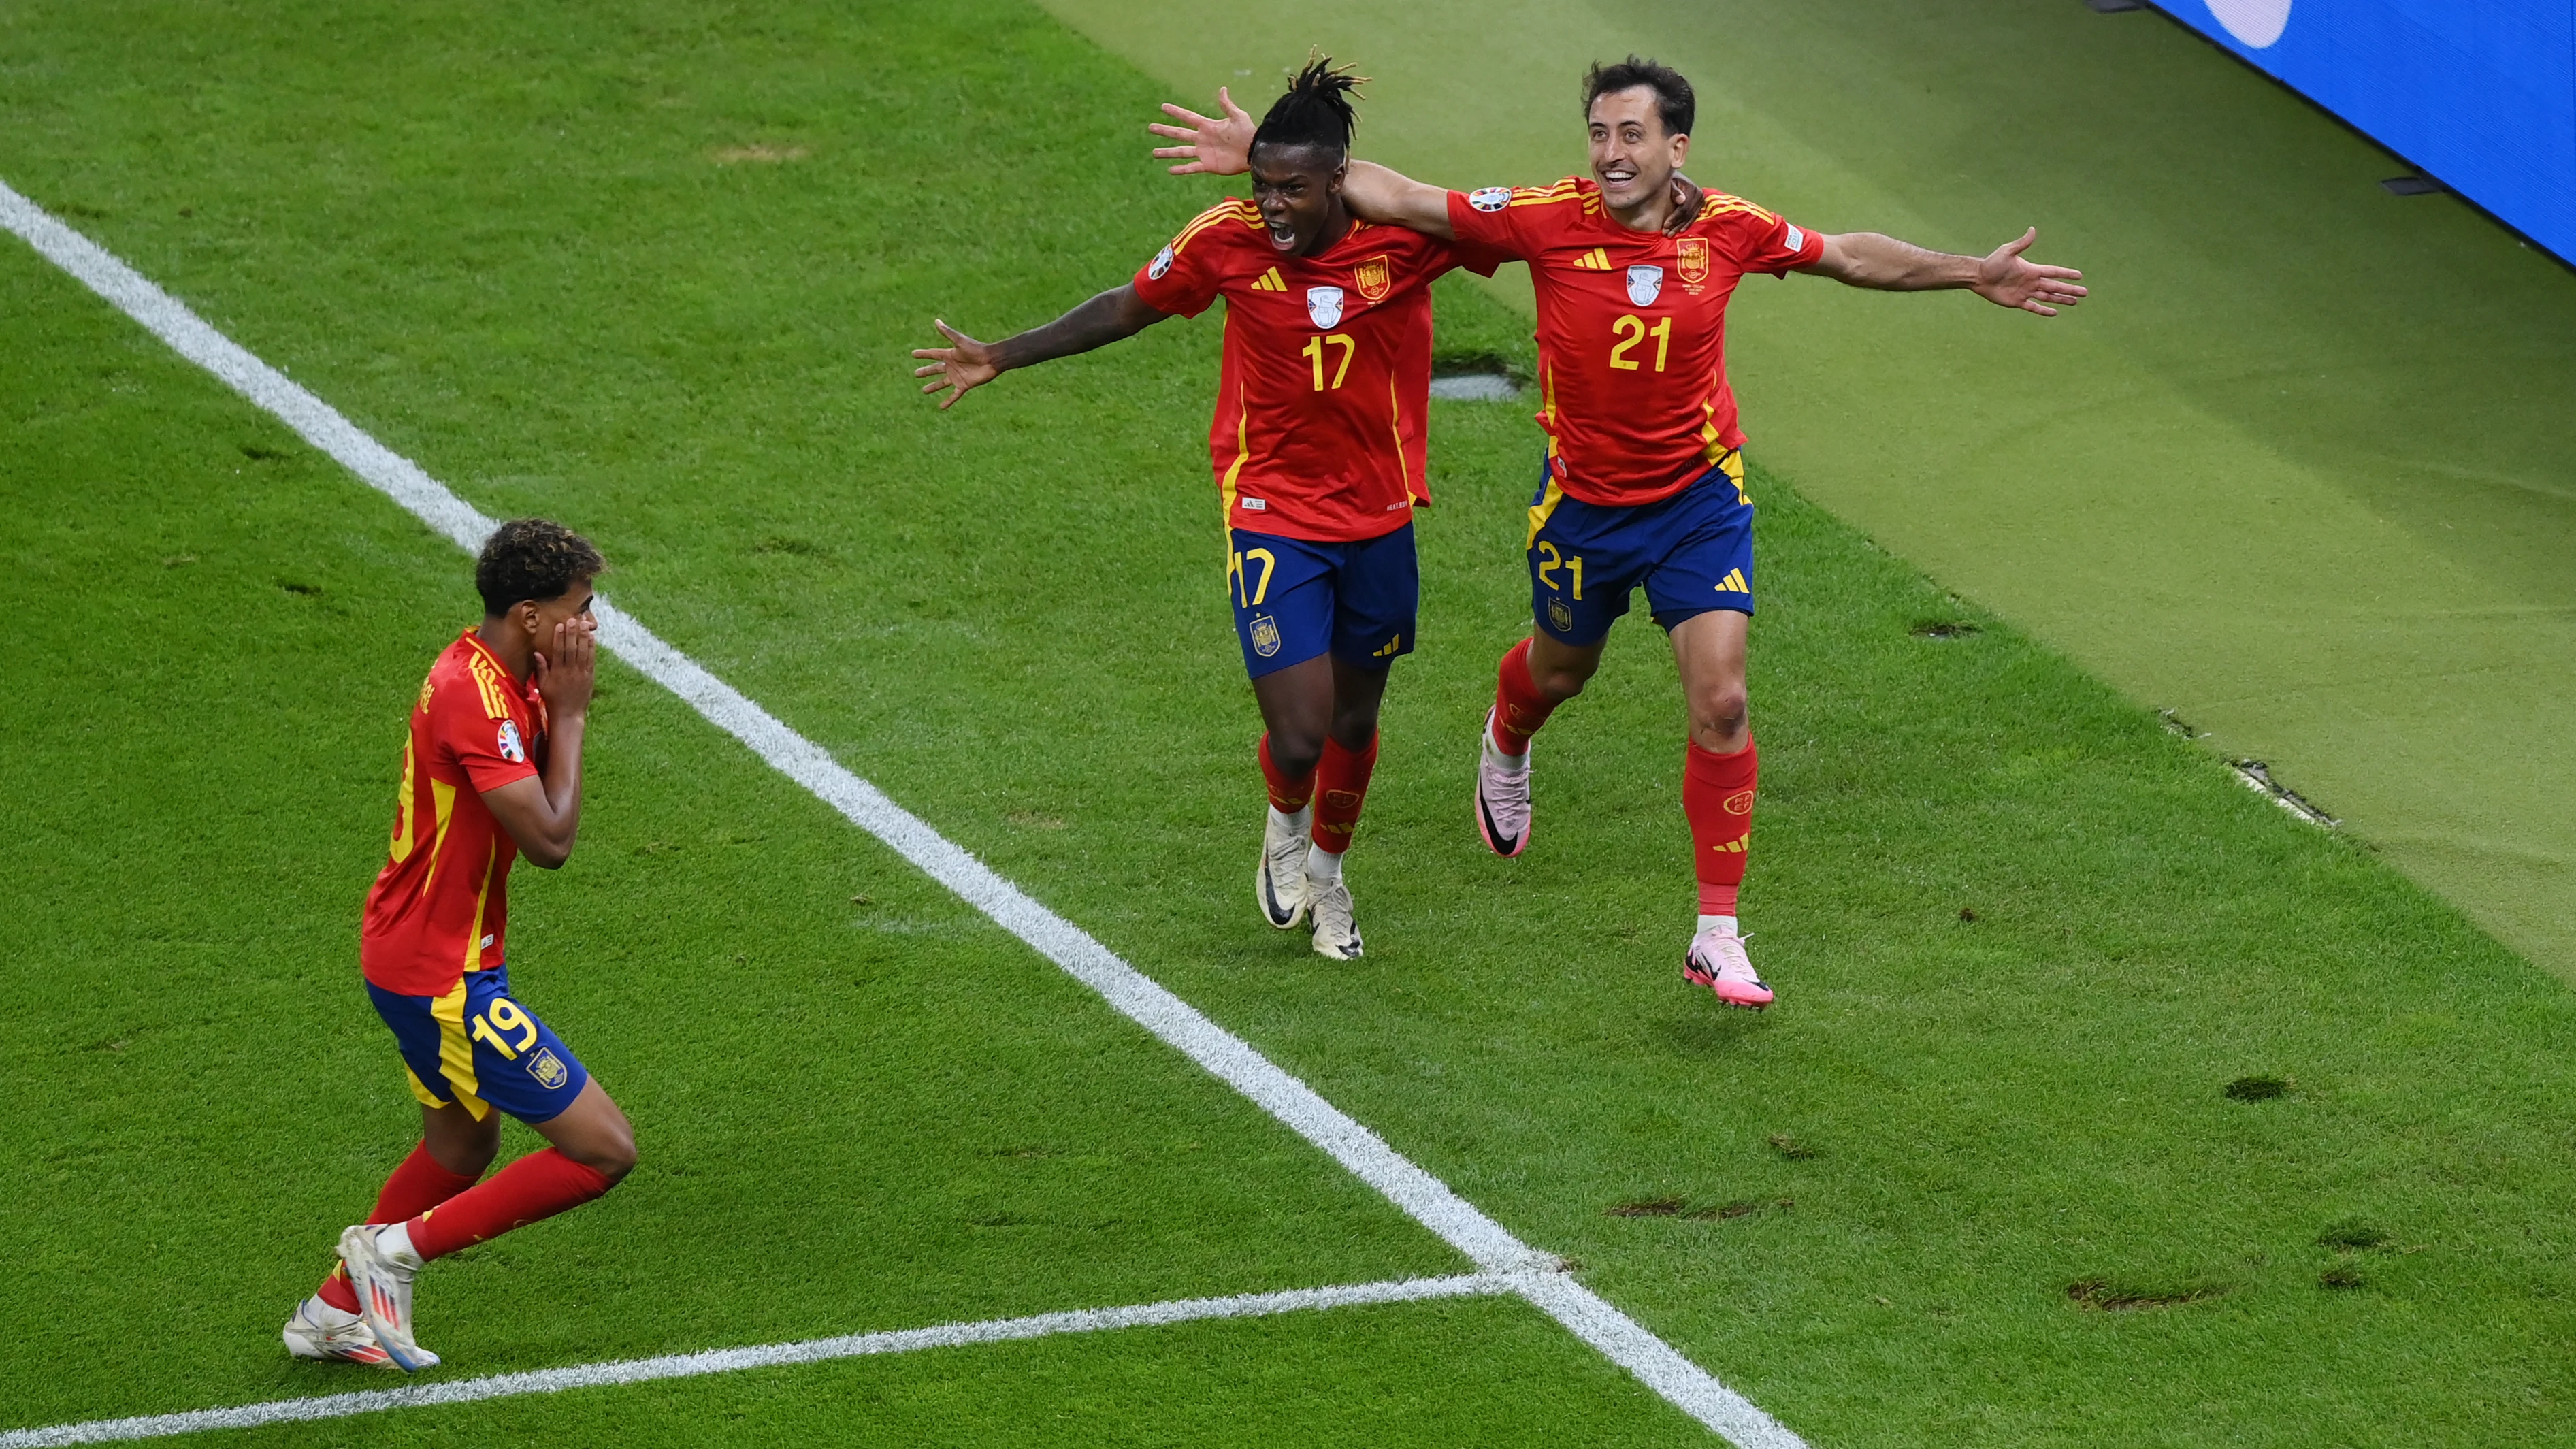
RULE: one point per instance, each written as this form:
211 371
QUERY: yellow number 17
1315 354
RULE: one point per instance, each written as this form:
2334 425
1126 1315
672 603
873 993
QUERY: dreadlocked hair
1316 111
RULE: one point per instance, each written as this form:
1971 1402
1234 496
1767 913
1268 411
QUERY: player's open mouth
1617 175
1282 235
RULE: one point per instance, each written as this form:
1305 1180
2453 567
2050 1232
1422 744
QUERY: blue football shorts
1693 552
477 1048
1294 599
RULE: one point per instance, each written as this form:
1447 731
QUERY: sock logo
1739 803
1729 847
1342 799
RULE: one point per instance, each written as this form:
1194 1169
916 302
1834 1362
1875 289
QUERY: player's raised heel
1336 934
319 1331
1279 882
1502 795
383 1274
1717 961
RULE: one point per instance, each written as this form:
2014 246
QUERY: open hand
2008 279
1208 144
963 367
1686 203
567 667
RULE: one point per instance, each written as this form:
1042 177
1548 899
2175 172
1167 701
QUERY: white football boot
383 1271
1336 934
319 1331
1502 795
1717 961
1279 882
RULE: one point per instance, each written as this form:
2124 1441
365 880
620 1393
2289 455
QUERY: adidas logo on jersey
1734 583
1595 260
1269 282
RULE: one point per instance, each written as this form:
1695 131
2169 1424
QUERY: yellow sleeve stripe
1242 211
1542 195
1718 203
493 704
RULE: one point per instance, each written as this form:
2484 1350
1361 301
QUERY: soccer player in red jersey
1318 448
1644 478
491 770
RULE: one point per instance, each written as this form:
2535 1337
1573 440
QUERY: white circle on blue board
2257 23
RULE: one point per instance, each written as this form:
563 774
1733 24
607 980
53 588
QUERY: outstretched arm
1222 146
2004 276
967 364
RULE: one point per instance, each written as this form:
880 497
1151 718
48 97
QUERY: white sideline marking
776 1355
1424 1197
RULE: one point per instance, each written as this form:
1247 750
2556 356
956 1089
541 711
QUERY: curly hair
1316 111
533 558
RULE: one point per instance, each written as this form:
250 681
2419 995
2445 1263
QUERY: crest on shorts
1645 284
1490 198
1324 305
1559 615
1162 263
509 744
1373 277
1691 256
1265 635
548 1069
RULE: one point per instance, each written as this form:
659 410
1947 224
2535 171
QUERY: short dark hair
1316 111
1674 101
532 558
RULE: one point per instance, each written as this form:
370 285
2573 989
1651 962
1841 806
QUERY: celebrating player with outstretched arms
1318 448
1643 482
491 770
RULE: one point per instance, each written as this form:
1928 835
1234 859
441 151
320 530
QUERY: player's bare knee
1560 685
1719 712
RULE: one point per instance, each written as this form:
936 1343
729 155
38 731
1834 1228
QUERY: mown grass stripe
776 1355
1180 1025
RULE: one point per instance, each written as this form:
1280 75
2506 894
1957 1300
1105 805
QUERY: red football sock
415 1187
1519 709
1717 795
1342 781
1287 796
532 1189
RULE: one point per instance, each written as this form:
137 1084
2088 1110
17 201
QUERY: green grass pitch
1974 1182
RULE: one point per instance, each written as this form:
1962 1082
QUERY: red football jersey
1327 377
1631 328
440 906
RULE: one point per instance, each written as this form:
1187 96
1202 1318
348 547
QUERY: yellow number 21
1633 330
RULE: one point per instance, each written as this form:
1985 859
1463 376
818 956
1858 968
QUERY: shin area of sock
1519 708
1341 788
532 1189
1717 796
1287 795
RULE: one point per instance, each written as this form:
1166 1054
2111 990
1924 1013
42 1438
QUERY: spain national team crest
1559 615
511 747
1373 277
1691 257
1645 284
1324 305
548 1069
1265 635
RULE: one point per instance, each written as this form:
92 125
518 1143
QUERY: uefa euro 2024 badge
1490 198
511 748
1324 304
1645 284
1162 264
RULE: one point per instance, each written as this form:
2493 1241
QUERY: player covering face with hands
1642 484
1318 447
491 771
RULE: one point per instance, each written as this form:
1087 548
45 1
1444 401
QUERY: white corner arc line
776 1355
1178 1024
